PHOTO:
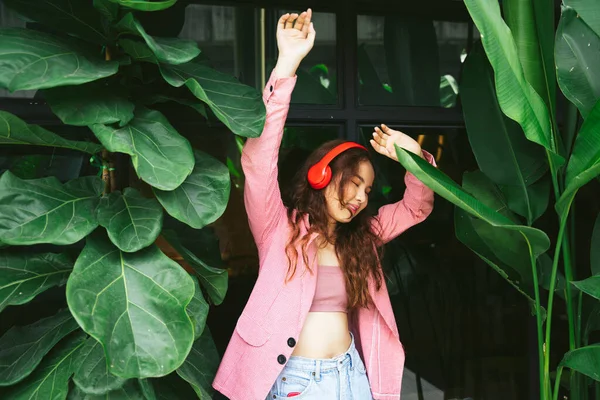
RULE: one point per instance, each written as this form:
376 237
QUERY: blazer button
291 342
271 88
281 359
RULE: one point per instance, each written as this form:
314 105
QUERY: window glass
409 61
227 36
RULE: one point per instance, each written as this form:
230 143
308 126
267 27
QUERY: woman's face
356 194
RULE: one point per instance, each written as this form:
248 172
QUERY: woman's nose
360 196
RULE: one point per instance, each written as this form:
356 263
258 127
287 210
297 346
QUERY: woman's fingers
385 129
379 138
311 33
282 19
379 148
290 21
307 20
300 22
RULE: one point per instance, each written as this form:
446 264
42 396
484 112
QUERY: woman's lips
353 209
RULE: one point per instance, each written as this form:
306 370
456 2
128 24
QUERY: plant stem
538 320
557 383
105 172
557 249
568 279
575 378
579 312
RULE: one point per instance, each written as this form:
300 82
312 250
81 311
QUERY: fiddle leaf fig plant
131 312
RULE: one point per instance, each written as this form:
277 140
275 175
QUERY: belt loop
352 352
318 371
351 356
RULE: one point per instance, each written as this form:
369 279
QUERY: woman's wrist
286 68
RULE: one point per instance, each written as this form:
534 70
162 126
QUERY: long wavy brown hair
357 246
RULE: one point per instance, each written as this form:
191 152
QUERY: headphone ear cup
319 176
326 177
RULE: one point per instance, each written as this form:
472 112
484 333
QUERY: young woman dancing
319 324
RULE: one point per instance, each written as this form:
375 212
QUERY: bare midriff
325 334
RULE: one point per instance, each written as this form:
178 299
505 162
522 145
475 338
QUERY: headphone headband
319 175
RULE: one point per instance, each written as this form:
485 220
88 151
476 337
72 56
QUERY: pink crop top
330 294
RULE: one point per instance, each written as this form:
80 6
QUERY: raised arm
417 203
295 38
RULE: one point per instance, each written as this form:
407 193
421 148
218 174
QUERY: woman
320 305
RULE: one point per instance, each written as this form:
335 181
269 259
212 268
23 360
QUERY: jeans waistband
319 365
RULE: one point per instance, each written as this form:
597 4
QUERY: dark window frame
347 112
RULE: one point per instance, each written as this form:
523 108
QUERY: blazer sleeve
262 196
415 206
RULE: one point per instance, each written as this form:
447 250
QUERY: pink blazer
267 330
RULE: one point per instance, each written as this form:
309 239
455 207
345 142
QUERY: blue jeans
343 377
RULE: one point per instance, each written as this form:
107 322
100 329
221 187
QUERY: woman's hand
385 138
294 41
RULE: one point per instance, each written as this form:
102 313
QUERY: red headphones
319 175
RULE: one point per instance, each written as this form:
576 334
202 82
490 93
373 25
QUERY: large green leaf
590 286
23 276
448 189
202 197
107 8
75 17
147 389
195 104
167 50
16 131
92 376
532 25
132 221
92 103
130 390
577 52
593 321
517 98
588 11
34 60
51 379
534 203
47 211
466 234
160 155
146 5
595 248
502 151
198 310
585 360
201 365
238 106
584 164
134 304
138 50
214 280
506 251
22 348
